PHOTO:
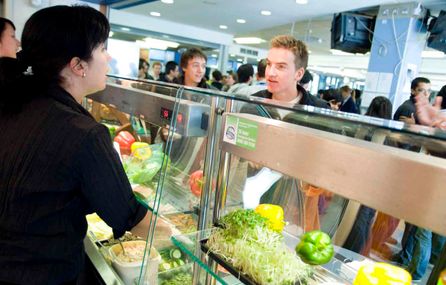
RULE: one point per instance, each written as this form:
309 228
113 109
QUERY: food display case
356 178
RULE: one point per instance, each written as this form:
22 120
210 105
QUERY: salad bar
275 231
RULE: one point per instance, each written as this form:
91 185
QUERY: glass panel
185 154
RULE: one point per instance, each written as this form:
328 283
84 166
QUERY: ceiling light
302 2
232 55
157 44
432 54
249 40
239 60
265 12
125 29
214 55
339 52
110 34
241 21
167 1
223 27
155 14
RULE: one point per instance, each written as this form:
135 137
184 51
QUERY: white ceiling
210 14
310 23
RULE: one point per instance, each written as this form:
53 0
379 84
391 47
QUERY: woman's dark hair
54 35
3 23
380 107
50 39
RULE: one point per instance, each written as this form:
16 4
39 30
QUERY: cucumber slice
175 253
165 266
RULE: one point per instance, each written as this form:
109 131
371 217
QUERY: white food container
129 270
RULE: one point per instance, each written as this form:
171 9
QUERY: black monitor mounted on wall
352 32
437 32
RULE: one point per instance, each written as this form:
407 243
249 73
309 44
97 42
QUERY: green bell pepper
315 248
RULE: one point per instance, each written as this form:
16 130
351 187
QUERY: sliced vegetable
246 241
125 140
315 248
175 253
274 214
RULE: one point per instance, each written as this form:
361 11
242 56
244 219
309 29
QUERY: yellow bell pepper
382 274
274 214
141 150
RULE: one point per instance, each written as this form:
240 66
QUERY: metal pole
222 177
211 147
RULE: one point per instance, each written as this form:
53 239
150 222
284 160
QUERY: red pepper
125 140
196 182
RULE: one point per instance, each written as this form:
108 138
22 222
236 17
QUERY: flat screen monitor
351 32
437 36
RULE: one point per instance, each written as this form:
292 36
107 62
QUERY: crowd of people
58 163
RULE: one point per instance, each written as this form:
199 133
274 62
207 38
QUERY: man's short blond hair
297 47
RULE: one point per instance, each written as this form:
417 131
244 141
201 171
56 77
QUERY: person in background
217 79
358 99
260 83
143 69
156 70
193 63
348 104
285 66
58 163
429 115
231 79
9 45
171 73
380 107
306 80
245 75
407 112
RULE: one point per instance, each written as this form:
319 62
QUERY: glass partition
362 180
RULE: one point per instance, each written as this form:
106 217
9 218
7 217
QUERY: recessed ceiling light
249 40
214 55
167 1
265 12
239 60
432 54
241 21
125 29
155 14
223 27
302 2
232 55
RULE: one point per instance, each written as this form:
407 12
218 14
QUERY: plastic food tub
128 266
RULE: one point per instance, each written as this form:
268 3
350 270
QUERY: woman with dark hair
380 107
358 240
8 42
57 164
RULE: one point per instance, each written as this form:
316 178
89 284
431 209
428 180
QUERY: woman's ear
77 66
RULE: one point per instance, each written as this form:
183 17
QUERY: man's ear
299 74
77 66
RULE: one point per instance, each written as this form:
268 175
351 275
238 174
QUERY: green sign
241 132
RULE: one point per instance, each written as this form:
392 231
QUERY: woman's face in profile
8 42
97 69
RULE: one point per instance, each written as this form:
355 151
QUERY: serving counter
218 152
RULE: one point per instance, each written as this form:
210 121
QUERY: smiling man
285 66
193 63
